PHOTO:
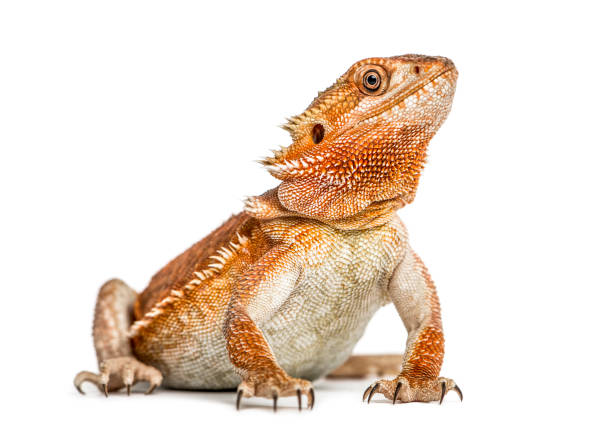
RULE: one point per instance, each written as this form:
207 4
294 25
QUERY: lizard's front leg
416 301
259 292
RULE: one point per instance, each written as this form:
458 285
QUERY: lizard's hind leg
112 320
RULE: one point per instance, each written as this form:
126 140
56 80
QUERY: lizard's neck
268 206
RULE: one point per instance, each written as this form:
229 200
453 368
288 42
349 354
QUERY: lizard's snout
446 63
428 63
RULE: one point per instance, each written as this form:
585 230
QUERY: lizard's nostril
416 69
318 132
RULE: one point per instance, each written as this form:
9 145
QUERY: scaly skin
279 294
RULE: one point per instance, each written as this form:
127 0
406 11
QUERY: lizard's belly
316 328
310 335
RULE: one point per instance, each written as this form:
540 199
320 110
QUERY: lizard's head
364 139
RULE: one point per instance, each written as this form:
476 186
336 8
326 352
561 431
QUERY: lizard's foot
273 386
400 389
120 372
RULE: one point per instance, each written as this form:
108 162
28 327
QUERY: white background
129 130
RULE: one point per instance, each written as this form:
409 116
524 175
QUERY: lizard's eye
371 79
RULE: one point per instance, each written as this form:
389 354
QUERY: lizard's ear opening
318 132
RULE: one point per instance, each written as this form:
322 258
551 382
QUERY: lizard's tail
361 366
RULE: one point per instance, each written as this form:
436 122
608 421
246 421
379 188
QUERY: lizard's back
177 273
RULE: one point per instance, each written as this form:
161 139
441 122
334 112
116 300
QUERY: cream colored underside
316 328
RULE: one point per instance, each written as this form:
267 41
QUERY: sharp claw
397 389
275 399
129 389
372 392
312 398
238 399
443 392
105 386
365 394
299 397
85 376
151 389
456 389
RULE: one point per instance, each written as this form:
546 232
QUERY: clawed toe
311 399
275 395
443 394
397 390
124 372
248 389
459 392
85 376
370 391
400 389
446 385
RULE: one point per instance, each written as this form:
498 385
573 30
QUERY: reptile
281 292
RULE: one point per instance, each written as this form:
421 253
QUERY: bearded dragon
280 293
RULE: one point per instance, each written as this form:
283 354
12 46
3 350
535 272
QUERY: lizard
280 293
